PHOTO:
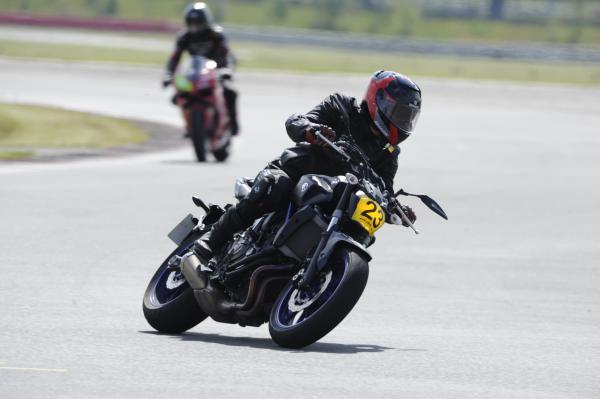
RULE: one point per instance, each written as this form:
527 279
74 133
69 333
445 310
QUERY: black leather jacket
335 111
211 44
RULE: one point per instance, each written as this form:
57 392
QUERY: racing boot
220 233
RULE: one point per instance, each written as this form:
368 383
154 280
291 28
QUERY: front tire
198 135
299 319
169 303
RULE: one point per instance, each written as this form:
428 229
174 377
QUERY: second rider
202 37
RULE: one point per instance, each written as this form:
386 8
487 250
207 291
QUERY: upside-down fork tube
333 227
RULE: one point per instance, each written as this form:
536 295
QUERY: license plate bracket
182 230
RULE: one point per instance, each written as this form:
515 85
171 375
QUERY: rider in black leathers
386 116
202 37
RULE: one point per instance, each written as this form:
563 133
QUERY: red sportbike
200 95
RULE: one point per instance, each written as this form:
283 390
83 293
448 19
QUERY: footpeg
174 263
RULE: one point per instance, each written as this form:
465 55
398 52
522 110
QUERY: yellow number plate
369 214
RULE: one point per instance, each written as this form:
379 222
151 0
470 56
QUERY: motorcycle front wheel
198 134
302 317
169 304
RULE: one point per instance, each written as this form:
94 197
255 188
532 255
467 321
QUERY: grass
255 56
44 127
307 59
79 52
15 155
404 19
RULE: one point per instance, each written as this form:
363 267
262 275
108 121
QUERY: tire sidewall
179 314
198 134
331 313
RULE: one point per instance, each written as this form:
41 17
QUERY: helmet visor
403 116
196 26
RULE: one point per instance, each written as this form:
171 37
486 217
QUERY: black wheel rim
295 307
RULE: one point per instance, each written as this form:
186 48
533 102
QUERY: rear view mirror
434 206
427 200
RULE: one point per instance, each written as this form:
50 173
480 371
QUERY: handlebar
335 147
368 172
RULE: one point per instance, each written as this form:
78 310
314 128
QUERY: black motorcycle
301 269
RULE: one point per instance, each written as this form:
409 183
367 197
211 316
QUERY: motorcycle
199 94
301 269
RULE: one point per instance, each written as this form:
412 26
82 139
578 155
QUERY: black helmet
394 103
197 17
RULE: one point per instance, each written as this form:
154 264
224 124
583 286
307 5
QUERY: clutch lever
335 147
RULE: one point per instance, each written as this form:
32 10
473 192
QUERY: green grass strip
258 56
15 155
45 127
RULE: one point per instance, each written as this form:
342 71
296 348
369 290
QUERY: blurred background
537 40
562 21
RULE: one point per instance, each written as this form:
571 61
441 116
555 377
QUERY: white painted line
33 369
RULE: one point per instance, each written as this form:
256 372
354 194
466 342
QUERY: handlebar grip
332 145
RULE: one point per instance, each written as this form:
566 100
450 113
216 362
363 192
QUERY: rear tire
348 278
172 312
198 135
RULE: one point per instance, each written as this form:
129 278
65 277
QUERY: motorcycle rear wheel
221 154
300 318
169 304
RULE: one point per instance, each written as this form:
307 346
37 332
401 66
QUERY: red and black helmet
394 103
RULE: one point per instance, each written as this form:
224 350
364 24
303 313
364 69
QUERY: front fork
334 226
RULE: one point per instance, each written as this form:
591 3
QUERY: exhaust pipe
190 267
209 298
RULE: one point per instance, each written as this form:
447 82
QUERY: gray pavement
502 301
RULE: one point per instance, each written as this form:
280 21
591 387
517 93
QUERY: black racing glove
167 80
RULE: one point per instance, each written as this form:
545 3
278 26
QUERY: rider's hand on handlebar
167 80
326 131
410 214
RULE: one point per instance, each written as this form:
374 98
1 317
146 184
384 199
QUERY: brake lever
348 159
405 219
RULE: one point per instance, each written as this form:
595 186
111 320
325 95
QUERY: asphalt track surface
502 301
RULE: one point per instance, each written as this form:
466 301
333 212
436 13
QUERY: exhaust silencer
190 267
